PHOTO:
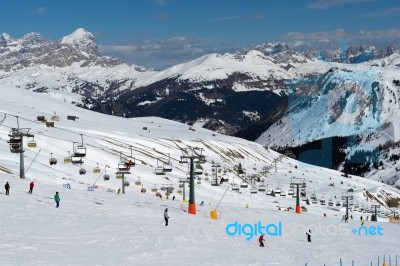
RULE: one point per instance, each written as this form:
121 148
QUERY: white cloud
158 53
340 38
325 4
382 13
39 10
223 18
342 34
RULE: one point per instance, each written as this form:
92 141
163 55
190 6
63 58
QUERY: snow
103 228
79 36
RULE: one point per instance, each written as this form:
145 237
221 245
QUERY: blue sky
160 33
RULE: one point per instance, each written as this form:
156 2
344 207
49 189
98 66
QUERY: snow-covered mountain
103 228
359 103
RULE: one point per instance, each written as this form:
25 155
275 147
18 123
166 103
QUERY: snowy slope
102 228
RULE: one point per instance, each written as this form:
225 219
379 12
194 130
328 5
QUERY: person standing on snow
31 185
7 187
166 217
261 240
57 199
309 236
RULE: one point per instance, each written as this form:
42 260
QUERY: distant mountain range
278 96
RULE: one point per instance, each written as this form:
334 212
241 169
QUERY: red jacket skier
31 185
261 240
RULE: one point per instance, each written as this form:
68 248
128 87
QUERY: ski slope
102 227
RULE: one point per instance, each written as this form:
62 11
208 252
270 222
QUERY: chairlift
262 188
96 170
55 118
76 159
283 193
123 168
244 185
32 143
291 192
277 190
138 182
269 192
106 177
253 190
41 118
322 200
338 203
198 182
15 141
68 159
127 184
118 176
314 201
167 167
52 161
49 124
82 171
159 170
330 203
179 191
235 186
206 178
154 189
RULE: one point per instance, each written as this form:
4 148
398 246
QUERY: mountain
358 103
92 215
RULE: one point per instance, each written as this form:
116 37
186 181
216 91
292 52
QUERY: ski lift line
32 161
87 136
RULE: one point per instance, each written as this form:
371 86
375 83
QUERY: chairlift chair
167 167
127 184
244 185
269 192
118 176
283 193
138 182
154 189
32 143
79 150
235 186
82 171
68 159
55 118
277 190
314 201
159 170
179 191
106 177
49 124
96 170
330 203
41 118
322 201
262 188
76 160
253 190
198 171
52 161
291 192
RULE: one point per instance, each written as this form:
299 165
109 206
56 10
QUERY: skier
309 236
367 218
346 219
325 215
261 240
129 164
173 197
351 216
166 217
57 199
31 185
7 187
